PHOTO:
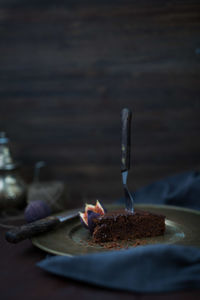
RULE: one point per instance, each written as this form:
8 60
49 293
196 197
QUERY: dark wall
67 68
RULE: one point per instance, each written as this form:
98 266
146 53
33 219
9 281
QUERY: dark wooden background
67 68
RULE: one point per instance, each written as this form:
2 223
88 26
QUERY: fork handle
126 116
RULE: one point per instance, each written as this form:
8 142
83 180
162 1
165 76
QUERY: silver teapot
12 186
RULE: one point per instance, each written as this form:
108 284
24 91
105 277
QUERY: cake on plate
121 224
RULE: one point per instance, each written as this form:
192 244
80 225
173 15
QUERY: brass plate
182 228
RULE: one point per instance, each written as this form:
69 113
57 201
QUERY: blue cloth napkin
151 268
142 269
180 190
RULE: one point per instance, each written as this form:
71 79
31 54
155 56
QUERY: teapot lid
6 160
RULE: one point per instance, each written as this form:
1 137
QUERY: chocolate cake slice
124 225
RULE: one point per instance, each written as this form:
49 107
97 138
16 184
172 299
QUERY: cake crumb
117 245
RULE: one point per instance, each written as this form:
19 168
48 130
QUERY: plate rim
162 206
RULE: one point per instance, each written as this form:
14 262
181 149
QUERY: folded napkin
150 268
180 190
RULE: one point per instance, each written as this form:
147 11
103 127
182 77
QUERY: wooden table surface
20 278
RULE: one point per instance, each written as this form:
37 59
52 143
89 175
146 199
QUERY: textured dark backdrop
67 68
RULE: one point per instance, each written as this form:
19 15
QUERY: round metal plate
182 228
